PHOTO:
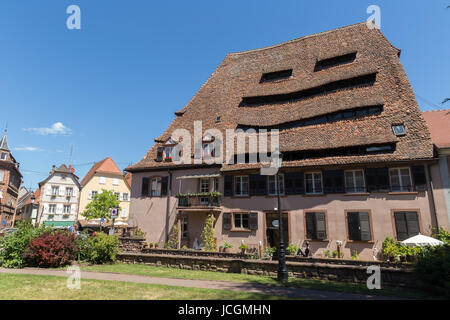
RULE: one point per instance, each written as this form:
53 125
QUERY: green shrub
173 240
292 249
13 246
327 253
227 245
355 255
208 234
243 247
442 235
269 251
432 270
98 249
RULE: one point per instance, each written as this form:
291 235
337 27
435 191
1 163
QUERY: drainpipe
433 203
169 195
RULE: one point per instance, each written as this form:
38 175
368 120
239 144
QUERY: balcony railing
199 200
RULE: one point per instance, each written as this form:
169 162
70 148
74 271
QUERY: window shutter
400 226
293 183
61 191
226 221
254 221
420 180
371 179
45 208
383 179
123 212
164 185
353 226
48 190
120 196
364 225
72 209
321 229
159 154
74 192
228 186
258 185
333 181
59 209
145 185
412 222
90 195
310 225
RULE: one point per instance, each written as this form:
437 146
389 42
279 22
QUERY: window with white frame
115 182
241 221
273 185
66 209
93 194
156 187
52 209
168 152
208 149
204 185
69 191
125 196
354 181
241 185
102 180
55 190
400 179
313 183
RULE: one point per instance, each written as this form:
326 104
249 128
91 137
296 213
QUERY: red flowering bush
51 249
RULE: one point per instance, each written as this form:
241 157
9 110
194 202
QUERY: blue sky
112 87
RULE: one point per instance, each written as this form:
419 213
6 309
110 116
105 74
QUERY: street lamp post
282 274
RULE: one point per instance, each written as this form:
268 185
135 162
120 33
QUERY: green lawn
154 271
35 287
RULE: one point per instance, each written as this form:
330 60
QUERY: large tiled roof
376 77
105 166
439 125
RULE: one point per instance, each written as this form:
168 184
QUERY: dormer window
277 75
4 154
399 130
168 153
335 61
208 149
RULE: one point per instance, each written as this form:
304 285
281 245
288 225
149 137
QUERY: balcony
199 200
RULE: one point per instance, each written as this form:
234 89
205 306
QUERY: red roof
438 123
105 166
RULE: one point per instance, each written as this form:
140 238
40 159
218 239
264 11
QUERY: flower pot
226 250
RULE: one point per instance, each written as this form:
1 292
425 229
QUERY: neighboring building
439 126
355 150
28 206
10 180
105 175
21 210
59 195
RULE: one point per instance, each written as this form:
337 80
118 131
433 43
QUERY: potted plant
244 248
220 248
292 249
268 253
226 247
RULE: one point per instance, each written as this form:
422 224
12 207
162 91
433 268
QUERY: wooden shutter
371 179
226 221
164 185
228 186
321 228
364 225
412 222
145 185
353 226
310 225
257 185
383 179
293 183
420 179
159 154
400 226
254 221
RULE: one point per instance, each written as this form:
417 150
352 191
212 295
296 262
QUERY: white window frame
269 182
102 180
115 181
202 185
313 180
53 192
208 149
69 194
239 180
93 193
125 196
158 183
168 152
354 181
400 179
240 219
64 209
50 211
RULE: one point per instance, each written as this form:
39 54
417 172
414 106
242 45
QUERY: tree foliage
100 205
208 234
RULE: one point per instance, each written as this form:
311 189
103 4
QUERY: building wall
95 185
441 180
150 214
62 181
8 194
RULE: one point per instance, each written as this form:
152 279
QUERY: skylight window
399 130
277 75
335 61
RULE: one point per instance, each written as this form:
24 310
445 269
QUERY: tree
208 234
100 205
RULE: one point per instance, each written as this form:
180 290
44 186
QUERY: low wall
127 244
395 277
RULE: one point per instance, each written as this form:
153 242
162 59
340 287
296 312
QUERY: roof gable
438 124
105 166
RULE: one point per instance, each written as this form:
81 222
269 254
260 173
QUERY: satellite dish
275 223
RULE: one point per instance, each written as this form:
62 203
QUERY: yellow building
105 175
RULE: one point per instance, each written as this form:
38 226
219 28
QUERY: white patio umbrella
420 241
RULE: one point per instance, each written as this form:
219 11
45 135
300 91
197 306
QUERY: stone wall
395 277
127 244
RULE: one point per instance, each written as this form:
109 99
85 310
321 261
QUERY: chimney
53 169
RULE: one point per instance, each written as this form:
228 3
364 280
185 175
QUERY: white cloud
27 149
56 128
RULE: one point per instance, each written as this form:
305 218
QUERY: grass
155 271
34 287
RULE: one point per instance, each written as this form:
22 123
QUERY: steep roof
439 125
4 143
237 94
105 166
